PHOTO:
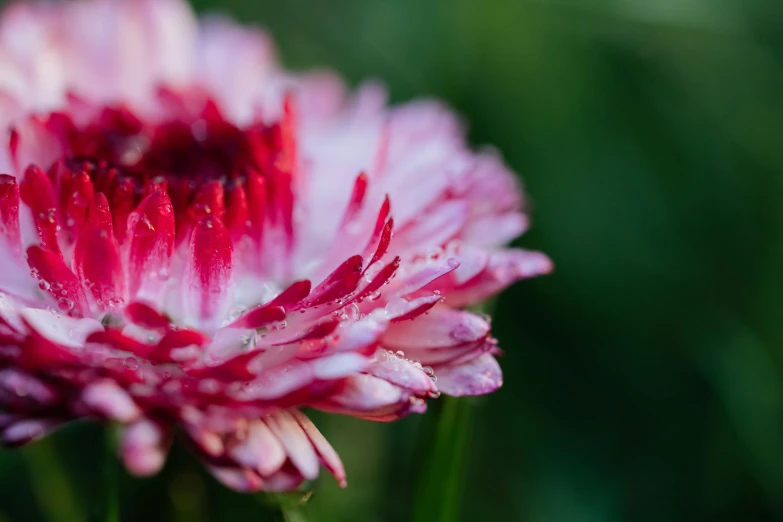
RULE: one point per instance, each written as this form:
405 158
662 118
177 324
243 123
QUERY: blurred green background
644 379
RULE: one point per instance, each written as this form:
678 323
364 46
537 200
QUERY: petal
401 372
146 316
109 400
151 233
9 215
296 442
338 365
97 260
441 327
275 382
143 447
367 396
260 450
208 274
21 387
436 226
478 376
76 193
238 479
329 457
27 430
339 283
57 279
503 268
37 192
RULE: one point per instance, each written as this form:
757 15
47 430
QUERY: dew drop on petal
131 363
65 304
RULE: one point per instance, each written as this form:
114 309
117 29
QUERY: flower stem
50 483
109 508
438 498
292 514
287 507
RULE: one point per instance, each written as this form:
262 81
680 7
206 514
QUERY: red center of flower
206 165
123 190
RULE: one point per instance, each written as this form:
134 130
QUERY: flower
193 237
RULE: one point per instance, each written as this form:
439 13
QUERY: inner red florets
206 165
117 172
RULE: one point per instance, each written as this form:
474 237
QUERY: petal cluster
194 240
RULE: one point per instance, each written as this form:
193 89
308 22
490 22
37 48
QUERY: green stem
292 514
286 507
50 484
109 506
439 494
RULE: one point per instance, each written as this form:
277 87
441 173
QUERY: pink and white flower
192 237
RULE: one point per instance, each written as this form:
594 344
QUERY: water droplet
65 304
352 312
400 353
43 285
131 363
397 306
433 394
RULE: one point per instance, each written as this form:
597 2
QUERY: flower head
192 237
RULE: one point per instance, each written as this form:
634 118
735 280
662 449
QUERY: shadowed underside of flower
193 238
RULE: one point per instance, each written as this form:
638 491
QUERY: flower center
193 150
204 163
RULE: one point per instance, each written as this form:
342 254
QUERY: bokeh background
644 379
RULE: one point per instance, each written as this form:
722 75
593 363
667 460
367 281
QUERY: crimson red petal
383 242
117 340
37 191
57 279
9 214
209 268
318 331
76 194
96 257
151 232
380 279
260 317
39 353
209 201
421 309
356 200
144 315
237 212
122 200
339 283
176 339
256 191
